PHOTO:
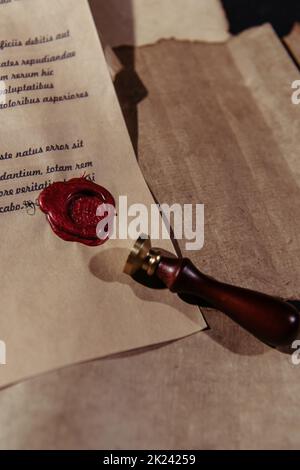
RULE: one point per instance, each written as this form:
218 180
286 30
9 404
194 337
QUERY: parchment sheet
63 303
221 389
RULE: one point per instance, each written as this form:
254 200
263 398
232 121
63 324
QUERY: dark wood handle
268 318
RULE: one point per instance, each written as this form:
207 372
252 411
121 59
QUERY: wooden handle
268 318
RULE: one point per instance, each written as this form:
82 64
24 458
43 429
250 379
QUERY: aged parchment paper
61 302
222 389
141 22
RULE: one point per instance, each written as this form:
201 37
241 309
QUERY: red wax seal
71 209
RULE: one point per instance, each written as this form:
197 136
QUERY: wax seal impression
71 209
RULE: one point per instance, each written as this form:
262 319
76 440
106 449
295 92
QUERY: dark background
243 14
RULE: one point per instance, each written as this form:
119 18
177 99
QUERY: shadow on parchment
130 91
129 88
144 287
